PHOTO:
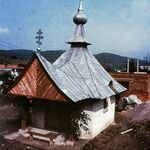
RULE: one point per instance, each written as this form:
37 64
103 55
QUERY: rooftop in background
11 66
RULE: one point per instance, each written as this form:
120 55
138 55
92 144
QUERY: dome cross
81 5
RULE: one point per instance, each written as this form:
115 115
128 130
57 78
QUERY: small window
105 104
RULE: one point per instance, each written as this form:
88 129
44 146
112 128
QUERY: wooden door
57 116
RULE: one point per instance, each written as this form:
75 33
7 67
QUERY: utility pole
39 37
128 65
138 65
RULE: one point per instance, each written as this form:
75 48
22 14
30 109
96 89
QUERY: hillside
23 56
109 61
112 61
15 56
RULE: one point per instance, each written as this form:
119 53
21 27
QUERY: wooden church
74 82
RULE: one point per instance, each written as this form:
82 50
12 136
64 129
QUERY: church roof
80 76
76 73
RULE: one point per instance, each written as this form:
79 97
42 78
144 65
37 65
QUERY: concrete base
45 146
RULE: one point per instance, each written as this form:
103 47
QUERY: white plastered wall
100 118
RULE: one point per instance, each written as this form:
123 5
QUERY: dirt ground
9 124
136 118
110 139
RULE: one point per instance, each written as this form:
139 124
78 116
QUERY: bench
35 133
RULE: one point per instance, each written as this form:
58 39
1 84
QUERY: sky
114 26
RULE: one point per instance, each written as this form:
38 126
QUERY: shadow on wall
78 122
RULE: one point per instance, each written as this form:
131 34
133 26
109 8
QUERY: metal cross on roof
39 37
81 5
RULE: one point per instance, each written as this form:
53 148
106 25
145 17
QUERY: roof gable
34 82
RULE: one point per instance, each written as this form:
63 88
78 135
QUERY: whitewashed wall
100 118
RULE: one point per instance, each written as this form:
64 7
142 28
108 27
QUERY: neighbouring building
5 67
75 82
8 73
136 83
10 68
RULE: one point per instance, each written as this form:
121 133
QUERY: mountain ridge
22 56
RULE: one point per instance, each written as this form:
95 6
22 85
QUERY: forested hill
22 56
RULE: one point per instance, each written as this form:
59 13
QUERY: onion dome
79 37
80 18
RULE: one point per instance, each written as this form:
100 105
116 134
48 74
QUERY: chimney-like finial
39 37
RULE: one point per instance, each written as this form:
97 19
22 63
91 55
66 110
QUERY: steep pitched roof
83 77
35 82
76 73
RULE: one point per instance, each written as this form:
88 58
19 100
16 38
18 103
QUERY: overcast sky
117 26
